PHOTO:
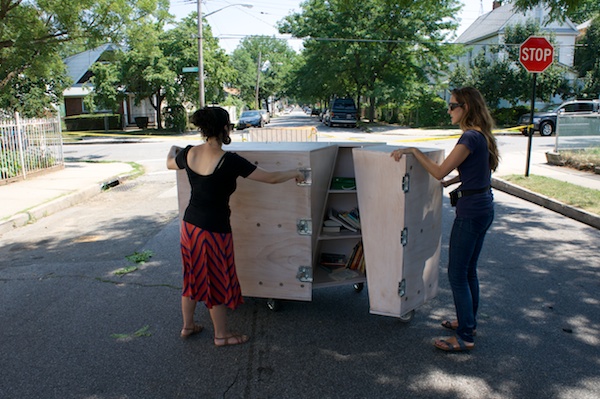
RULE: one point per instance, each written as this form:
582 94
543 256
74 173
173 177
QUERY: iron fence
28 146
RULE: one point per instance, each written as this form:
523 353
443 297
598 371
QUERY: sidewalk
25 201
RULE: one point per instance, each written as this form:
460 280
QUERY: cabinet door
273 224
400 207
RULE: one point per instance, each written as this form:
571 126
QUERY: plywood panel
386 210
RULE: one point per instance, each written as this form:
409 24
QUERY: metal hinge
304 227
307 172
304 274
405 183
404 237
402 288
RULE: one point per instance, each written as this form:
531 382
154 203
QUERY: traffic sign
536 54
189 69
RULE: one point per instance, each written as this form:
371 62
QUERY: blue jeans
466 241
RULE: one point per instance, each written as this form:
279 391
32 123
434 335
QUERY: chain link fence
29 146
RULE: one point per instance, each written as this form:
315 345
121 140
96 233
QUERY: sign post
536 55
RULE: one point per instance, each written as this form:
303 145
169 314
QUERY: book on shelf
332 259
331 223
343 183
335 215
356 261
331 229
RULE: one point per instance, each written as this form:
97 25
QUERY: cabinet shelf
342 235
322 279
332 191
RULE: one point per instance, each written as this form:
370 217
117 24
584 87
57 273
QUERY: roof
79 64
495 21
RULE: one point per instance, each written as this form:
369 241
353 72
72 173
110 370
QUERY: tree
32 33
587 61
276 59
578 10
373 47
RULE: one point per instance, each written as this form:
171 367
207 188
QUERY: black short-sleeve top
209 201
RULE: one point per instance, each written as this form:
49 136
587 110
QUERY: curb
566 210
31 215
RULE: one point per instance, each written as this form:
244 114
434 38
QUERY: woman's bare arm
171 164
459 153
264 176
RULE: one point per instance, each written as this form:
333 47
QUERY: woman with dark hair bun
209 273
475 156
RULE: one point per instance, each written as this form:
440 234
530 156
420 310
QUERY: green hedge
92 122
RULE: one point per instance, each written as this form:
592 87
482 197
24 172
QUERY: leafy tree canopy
32 34
371 47
577 10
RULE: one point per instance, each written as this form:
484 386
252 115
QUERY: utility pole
257 81
200 58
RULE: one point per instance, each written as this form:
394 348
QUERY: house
488 30
78 67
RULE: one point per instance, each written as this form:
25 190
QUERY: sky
234 22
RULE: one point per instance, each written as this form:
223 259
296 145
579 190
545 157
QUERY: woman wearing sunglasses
475 156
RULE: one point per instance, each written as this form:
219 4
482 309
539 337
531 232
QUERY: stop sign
536 54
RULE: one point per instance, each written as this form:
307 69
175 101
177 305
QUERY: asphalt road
62 305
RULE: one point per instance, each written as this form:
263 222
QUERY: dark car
342 111
250 119
545 121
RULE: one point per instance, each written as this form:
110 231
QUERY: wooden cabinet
277 229
400 207
274 224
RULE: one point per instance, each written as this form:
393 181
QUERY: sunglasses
453 106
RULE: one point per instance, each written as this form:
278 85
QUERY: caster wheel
273 304
358 287
407 317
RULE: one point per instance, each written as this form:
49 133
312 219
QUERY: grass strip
584 198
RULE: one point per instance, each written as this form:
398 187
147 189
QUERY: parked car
250 119
322 115
545 121
266 116
342 111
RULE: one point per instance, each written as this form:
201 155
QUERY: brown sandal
196 329
451 326
232 339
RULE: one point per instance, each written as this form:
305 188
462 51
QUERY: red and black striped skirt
209 267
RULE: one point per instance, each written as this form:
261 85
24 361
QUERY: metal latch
307 172
402 288
304 227
404 237
405 183
305 274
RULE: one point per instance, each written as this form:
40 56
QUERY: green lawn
580 197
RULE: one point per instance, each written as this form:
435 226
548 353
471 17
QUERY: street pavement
70 328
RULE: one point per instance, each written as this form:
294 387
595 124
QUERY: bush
509 116
430 111
92 122
176 118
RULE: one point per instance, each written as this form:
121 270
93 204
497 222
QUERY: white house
489 29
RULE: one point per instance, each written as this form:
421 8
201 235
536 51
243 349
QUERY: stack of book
356 261
336 221
331 262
